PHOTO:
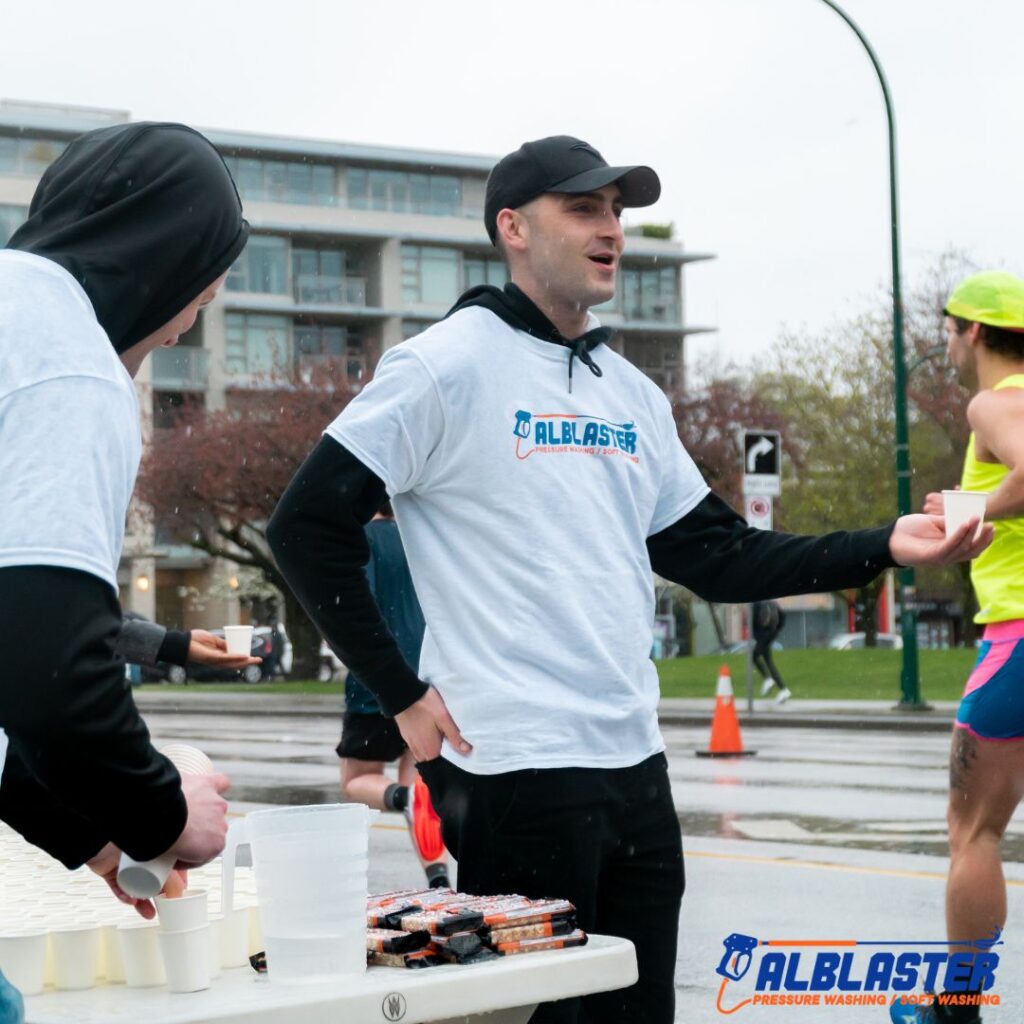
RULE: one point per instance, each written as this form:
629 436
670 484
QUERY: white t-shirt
524 511
70 437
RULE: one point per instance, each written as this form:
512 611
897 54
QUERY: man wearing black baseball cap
533 508
564 165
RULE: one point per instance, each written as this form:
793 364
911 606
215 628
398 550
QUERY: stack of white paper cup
185 941
76 956
143 880
238 639
140 954
960 506
23 957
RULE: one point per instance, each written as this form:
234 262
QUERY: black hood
144 216
518 310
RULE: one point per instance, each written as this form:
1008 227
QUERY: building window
430 275
483 270
650 293
28 156
284 181
325 345
169 406
256 344
410 328
11 218
439 195
328 276
262 267
433 276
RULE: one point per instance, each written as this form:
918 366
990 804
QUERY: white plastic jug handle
237 849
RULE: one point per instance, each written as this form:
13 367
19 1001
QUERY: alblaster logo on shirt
557 433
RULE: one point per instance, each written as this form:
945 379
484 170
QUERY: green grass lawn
822 674
815 674
292 686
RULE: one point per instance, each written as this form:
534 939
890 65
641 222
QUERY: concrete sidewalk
813 714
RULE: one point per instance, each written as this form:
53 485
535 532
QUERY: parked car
331 666
855 641
275 649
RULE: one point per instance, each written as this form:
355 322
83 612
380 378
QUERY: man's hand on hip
426 724
921 540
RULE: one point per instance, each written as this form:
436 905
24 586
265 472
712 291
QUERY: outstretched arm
714 553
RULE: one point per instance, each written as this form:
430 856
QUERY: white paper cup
76 957
187 959
239 639
256 943
183 912
140 954
960 506
111 964
215 926
234 938
23 958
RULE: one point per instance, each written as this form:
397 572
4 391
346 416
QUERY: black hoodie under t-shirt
316 534
145 217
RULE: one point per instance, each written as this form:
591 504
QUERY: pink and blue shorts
993 702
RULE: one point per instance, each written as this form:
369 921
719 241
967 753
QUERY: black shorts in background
370 737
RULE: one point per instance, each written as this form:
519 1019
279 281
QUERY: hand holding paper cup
238 639
961 506
145 880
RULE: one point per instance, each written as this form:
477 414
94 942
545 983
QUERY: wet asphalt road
824 834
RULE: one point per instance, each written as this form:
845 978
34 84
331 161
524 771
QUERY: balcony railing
181 368
660 312
345 291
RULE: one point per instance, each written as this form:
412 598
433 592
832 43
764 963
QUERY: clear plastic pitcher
311 880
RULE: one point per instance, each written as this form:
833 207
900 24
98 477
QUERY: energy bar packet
462 948
389 940
538 930
574 938
442 921
386 910
413 961
504 913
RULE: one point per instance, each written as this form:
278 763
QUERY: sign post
762 482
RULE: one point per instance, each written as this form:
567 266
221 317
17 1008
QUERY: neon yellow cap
992 297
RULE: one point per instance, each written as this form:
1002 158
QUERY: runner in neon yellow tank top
985 332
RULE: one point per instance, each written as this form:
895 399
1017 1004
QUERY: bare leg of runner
986 783
365 782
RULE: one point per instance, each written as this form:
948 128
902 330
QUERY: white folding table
504 991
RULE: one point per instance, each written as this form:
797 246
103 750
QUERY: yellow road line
747 858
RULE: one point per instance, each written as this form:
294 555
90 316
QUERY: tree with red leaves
709 419
214 478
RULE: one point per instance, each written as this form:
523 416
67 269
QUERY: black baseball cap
561 163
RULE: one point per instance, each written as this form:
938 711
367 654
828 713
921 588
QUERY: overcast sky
763 118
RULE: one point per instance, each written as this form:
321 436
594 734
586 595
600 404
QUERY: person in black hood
145 217
533 507
130 232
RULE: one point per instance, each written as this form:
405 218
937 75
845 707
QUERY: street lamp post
910 687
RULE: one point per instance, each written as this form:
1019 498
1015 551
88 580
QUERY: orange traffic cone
725 726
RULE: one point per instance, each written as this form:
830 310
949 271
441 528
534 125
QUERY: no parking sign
759 511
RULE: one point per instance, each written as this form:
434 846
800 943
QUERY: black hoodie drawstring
579 348
519 311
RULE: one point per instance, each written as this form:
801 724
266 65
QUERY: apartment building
353 249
